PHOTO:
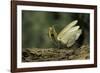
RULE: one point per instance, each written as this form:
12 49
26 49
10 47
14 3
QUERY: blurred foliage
35 26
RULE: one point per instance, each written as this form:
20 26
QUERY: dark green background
35 26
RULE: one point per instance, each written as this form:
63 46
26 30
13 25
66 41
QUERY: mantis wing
69 34
73 38
68 27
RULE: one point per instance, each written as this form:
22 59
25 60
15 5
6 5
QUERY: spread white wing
73 38
69 34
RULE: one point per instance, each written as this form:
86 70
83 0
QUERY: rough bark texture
53 54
